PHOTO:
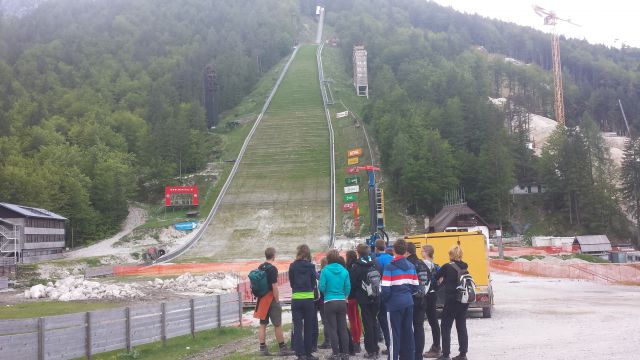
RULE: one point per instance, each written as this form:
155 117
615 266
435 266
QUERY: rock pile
76 288
213 283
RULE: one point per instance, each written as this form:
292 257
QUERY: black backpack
466 286
371 282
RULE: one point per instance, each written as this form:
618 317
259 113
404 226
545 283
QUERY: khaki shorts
274 313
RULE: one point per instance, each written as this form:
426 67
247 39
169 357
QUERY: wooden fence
84 334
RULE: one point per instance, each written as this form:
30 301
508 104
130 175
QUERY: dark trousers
384 324
316 329
401 334
432 317
325 330
335 314
369 313
418 327
454 310
303 312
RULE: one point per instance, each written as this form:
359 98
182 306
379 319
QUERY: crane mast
551 19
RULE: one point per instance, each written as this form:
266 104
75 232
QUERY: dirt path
137 216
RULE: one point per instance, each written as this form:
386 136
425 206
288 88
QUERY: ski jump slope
279 191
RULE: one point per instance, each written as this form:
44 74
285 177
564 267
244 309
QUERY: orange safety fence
628 274
240 267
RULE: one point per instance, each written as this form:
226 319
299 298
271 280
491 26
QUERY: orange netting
240 267
608 273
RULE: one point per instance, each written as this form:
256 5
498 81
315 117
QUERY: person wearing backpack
449 277
335 287
302 278
399 283
264 285
419 299
382 259
431 300
365 285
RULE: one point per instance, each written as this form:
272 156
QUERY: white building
360 77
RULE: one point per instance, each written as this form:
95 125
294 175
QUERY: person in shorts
274 312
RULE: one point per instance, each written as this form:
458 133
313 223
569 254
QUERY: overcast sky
601 21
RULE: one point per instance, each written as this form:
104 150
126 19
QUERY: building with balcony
29 234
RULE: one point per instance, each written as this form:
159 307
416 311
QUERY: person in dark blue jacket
382 259
399 283
302 278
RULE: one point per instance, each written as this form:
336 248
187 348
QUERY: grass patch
531 257
585 257
180 347
50 308
508 258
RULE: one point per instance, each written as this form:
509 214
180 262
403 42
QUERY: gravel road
544 318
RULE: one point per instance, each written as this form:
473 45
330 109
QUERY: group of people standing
382 296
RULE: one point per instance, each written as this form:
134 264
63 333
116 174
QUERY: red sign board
353 170
173 190
348 206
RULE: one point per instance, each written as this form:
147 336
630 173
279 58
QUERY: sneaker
460 357
264 352
311 357
335 357
370 356
344 356
434 352
443 357
324 345
356 348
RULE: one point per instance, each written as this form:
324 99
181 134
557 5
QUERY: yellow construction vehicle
474 248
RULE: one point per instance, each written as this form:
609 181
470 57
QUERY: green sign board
354 180
349 197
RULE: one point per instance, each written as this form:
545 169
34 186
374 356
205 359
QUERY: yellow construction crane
551 19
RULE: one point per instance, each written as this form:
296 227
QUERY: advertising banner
349 197
351 189
353 170
353 160
342 114
169 191
353 180
354 152
348 206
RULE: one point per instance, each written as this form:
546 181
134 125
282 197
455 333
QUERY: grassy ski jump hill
280 195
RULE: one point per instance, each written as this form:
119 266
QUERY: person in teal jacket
335 286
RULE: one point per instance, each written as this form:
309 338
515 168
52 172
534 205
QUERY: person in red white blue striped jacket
399 283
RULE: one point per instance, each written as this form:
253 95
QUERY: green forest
101 101
432 71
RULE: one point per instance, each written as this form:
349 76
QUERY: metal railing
234 170
332 225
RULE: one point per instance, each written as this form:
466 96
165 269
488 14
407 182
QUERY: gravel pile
213 283
76 288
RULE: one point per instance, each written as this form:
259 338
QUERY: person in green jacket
335 287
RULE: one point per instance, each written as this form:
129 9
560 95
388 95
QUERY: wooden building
29 234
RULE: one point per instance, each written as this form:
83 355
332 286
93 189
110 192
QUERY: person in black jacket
302 277
431 300
449 277
369 307
418 303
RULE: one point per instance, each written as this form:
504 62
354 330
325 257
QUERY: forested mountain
431 73
18 7
100 99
